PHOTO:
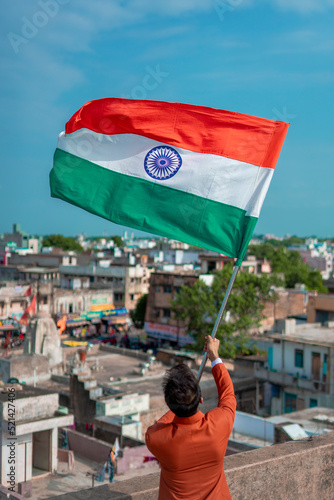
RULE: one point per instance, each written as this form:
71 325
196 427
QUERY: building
47 259
94 405
212 261
320 308
300 369
29 447
127 283
19 239
160 321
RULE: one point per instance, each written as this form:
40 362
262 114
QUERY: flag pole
219 317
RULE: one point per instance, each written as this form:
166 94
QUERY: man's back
191 449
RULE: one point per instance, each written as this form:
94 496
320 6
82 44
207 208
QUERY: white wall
250 425
126 405
18 455
289 357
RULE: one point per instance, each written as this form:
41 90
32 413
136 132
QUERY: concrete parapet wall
254 426
290 471
9 495
88 447
132 353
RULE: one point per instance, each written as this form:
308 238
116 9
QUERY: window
132 297
166 313
299 358
290 403
167 289
313 403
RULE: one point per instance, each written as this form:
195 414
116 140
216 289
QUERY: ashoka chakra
162 162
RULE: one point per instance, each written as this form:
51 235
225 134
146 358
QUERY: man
189 445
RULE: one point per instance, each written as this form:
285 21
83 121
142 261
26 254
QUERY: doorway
316 366
41 452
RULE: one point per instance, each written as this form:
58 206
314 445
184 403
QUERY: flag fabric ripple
190 173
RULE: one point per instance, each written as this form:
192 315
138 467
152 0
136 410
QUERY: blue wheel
162 162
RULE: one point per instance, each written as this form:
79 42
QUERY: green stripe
151 207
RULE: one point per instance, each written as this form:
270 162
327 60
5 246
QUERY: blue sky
271 59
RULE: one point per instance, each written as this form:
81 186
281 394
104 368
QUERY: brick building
320 308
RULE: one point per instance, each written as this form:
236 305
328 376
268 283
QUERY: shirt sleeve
215 362
226 397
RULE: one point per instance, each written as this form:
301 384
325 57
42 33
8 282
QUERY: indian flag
190 173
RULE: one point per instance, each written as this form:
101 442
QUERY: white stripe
210 176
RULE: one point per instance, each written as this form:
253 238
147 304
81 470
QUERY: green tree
289 263
198 306
67 243
263 251
293 240
138 315
118 241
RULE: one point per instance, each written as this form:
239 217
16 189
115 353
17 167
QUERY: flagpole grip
219 317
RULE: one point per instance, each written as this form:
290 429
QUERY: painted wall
254 426
289 357
126 405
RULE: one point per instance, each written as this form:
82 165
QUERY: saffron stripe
242 137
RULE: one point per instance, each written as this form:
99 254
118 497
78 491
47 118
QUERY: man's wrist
215 362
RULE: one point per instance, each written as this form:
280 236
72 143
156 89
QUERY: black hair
182 391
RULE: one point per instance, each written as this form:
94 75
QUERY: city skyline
273 61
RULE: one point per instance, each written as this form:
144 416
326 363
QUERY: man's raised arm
226 397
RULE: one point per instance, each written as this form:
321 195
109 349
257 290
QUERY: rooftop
22 392
315 420
309 333
39 270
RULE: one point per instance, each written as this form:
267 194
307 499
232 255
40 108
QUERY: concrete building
13 301
288 303
299 373
174 256
82 301
28 448
52 299
20 239
320 308
213 261
128 283
55 258
160 321
41 281
92 405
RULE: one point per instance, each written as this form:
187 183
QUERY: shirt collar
188 420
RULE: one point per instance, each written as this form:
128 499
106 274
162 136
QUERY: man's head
181 390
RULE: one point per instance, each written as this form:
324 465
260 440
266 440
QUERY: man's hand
211 347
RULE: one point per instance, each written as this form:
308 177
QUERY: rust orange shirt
191 450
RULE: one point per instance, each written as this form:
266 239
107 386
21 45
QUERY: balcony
288 380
